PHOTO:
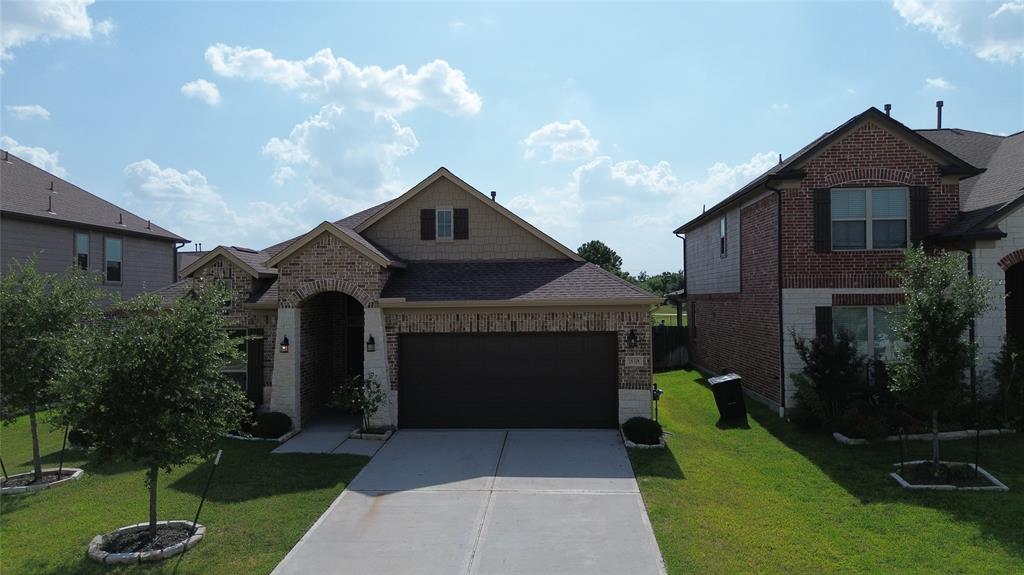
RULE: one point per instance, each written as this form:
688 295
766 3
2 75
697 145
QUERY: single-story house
466 313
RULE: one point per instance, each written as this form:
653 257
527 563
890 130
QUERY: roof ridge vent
246 250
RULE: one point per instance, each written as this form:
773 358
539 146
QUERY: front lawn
258 507
773 499
666 313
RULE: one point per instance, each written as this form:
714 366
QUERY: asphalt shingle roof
25 191
507 280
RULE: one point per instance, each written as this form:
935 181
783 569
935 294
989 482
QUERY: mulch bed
48 477
958 475
138 540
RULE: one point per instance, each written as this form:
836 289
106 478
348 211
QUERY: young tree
37 315
155 394
942 301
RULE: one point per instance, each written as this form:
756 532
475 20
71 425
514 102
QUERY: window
722 227
870 328
444 223
112 253
82 250
869 218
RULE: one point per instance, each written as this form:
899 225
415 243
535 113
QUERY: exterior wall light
284 345
371 345
631 339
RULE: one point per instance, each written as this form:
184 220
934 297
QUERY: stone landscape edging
357 434
73 474
943 436
281 439
996 484
631 445
96 553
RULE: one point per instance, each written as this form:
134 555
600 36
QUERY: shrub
271 424
1008 370
833 372
642 431
863 420
79 439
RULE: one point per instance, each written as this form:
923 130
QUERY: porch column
285 386
376 363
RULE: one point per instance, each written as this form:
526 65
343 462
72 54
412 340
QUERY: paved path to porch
486 502
329 436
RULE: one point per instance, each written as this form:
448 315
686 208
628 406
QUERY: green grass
667 313
773 499
258 507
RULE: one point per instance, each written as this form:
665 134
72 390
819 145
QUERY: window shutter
254 366
823 220
461 217
918 214
427 223
823 321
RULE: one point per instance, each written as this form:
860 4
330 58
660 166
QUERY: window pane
848 204
885 339
889 203
721 228
889 234
849 235
82 250
444 223
112 253
853 321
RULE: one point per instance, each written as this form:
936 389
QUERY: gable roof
30 192
346 235
252 261
788 168
443 172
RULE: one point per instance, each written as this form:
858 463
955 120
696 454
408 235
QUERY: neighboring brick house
61 225
469 316
809 246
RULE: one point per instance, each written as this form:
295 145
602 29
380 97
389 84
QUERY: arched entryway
332 348
1015 302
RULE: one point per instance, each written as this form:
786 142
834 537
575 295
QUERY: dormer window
444 224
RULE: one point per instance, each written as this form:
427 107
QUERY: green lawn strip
773 499
258 507
667 313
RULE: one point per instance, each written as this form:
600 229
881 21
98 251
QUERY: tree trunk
935 439
154 474
37 461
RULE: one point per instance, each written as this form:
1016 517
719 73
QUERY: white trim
451 224
329 228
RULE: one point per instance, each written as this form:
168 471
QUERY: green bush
642 431
1009 373
834 372
271 424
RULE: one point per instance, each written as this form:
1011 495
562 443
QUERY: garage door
508 380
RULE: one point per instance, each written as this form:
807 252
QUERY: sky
248 123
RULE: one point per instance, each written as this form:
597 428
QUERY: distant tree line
597 253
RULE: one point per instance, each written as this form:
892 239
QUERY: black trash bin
728 390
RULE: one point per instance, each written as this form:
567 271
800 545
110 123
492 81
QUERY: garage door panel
508 380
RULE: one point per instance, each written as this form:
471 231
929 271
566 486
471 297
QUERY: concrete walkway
329 436
486 502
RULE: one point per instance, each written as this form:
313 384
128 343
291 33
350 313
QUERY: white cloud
456 25
40 157
561 141
188 204
939 83
29 112
633 206
780 107
347 158
325 78
993 30
26 22
202 90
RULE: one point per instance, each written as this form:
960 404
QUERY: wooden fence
668 344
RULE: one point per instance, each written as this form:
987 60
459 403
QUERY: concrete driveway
486 502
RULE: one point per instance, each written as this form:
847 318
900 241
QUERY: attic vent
244 250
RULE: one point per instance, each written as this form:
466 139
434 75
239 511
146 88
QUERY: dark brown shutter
461 217
427 229
823 321
822 220
254 366
918 214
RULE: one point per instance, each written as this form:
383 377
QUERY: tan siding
492 236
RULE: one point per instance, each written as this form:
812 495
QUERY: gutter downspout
177 246
782 340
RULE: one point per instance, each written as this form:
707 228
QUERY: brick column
284 396
376 363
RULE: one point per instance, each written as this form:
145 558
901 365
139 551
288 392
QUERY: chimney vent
938 114
5 158
780 158
51 186
49 205
494 196
120 219
149 224
888 109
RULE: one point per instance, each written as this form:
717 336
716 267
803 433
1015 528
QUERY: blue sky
245 124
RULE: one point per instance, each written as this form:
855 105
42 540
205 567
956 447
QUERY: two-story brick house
809 246
467 314
45 217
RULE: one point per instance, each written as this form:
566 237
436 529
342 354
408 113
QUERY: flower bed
130 545
954 476
22 482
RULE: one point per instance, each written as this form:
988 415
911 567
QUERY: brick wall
867 156
328 264
740 332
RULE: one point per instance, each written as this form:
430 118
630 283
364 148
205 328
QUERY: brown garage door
507 380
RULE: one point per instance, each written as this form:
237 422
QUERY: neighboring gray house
64 225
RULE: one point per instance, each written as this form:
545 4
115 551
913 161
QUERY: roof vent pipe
120 219
888 109
49 205
5 158
51 186
149 224
780 158
494 196
938 114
